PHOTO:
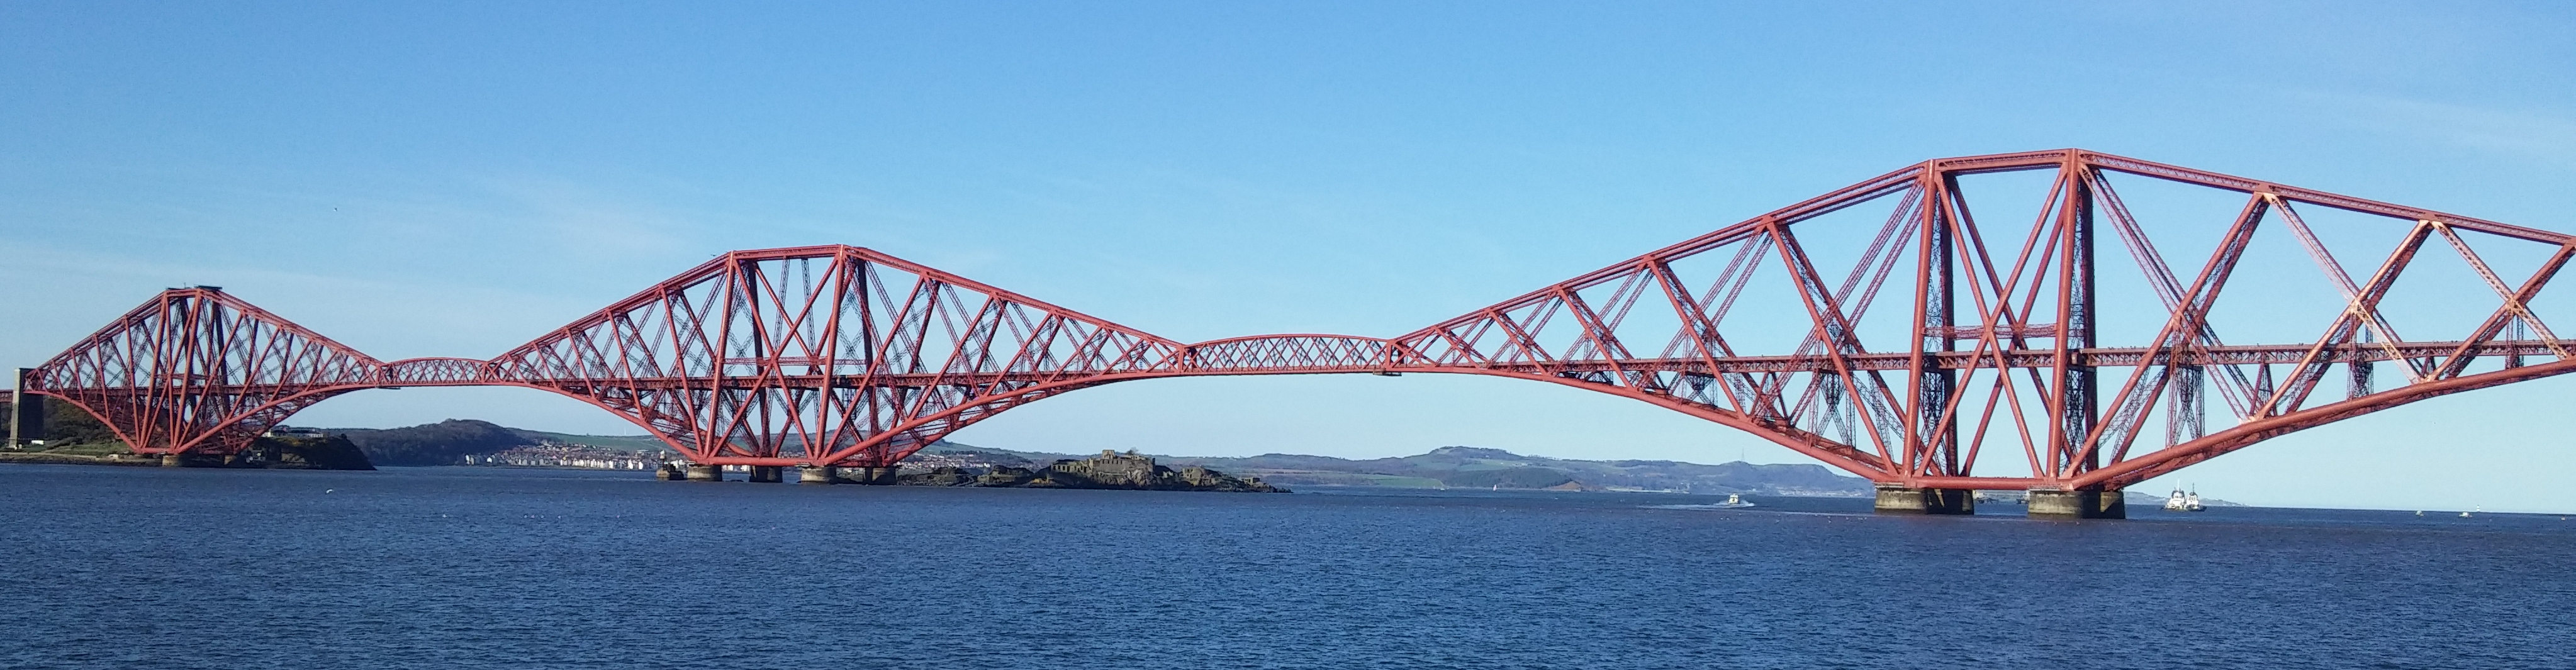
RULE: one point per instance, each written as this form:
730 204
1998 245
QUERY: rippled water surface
488 568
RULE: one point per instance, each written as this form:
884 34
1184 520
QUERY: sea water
493 568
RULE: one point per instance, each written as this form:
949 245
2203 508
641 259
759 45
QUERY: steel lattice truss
197 368
1887 328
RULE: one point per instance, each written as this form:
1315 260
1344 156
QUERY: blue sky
455 178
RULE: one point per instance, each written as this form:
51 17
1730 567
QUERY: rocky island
1113 470
1109 470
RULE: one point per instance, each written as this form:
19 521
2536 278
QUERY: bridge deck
1945 360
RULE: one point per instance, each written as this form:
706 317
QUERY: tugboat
2183 502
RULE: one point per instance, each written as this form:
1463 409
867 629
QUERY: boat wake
1712 506
1733 501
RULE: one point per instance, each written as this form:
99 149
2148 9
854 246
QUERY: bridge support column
173 461
2059 504
705 473
868 475
765 474
816 474
1901 500
26 413
669 472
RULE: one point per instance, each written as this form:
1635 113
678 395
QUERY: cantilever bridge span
1887 328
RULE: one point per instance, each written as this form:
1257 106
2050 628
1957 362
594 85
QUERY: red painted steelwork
842 355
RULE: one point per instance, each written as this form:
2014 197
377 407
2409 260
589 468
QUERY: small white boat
1733 501
2183 502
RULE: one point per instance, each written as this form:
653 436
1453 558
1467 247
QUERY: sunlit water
489 568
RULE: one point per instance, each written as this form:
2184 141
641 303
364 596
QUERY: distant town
563 455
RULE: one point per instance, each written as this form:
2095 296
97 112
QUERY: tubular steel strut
839 355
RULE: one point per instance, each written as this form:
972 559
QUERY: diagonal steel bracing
845 356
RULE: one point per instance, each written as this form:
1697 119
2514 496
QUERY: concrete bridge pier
1893 499
699 472
26 413
868 475
816 474
173 461
766 474
2079 504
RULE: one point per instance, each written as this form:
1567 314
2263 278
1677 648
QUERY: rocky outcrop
1109 470
1003 475
940 476
291 452
1113 470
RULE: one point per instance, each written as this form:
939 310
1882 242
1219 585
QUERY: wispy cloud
2526 134
384 316
590 224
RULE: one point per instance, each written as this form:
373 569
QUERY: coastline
50 458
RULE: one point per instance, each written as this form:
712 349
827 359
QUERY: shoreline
49 458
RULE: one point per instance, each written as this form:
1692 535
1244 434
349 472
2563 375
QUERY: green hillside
1476 467
624 442
442 443
1446 467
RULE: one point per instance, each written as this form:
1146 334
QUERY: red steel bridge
1887 328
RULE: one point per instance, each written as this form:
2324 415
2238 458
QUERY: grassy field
87 449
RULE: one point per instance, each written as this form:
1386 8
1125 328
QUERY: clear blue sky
455 178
